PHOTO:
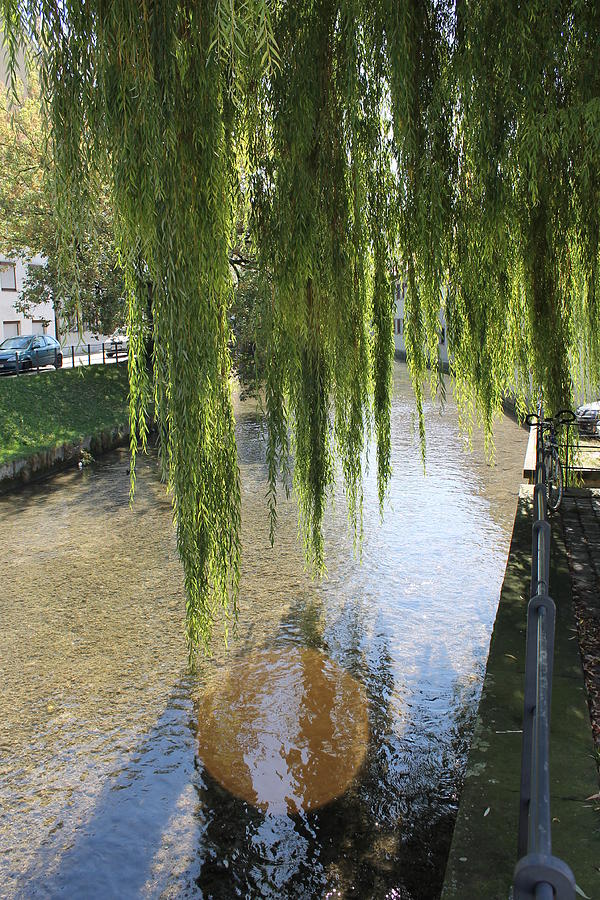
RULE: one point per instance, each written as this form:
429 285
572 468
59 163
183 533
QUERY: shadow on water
140 797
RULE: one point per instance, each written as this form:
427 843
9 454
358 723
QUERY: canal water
320 755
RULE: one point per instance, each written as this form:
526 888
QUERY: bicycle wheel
554 477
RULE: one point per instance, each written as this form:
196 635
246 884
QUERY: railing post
103 355
37 361
17 361
89 356
72 356
543 878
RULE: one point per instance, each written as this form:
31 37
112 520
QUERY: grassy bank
38 412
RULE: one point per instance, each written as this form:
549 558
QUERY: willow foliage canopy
455 142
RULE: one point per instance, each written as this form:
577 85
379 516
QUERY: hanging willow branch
456 143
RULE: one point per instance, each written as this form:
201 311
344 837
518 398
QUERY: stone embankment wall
21 471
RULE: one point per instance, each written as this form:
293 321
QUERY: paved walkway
580 514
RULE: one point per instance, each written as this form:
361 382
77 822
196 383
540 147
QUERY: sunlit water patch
285 730
110 784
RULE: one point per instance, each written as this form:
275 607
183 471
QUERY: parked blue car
29 351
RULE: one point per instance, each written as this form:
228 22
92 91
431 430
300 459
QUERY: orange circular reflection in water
286 730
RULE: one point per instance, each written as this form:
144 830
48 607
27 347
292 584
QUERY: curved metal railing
538 874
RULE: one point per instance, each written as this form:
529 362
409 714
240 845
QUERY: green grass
39 412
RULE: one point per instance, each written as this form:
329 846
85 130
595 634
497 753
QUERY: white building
43 319
400 287
12 275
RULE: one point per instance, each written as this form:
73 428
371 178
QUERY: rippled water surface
321 755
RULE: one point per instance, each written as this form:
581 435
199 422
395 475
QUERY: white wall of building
12 276
4 68
400 288
71 336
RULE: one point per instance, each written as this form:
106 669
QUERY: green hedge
38 412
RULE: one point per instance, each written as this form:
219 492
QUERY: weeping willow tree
457 143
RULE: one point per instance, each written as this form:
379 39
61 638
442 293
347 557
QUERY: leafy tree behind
248 315
86 287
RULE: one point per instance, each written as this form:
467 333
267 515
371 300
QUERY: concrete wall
484 845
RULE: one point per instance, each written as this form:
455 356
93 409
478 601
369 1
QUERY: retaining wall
21 471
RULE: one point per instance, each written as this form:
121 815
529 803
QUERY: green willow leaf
456 144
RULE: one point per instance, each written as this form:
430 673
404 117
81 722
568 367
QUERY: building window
40 326
400 290
442 335
11 329
8 276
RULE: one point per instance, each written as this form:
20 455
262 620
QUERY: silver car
588 419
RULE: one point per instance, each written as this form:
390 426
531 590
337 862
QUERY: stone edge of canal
19 472
483 852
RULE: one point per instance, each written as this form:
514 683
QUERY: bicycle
548 451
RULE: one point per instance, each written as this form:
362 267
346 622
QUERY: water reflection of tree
391 829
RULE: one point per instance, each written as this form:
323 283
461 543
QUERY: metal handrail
538 874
